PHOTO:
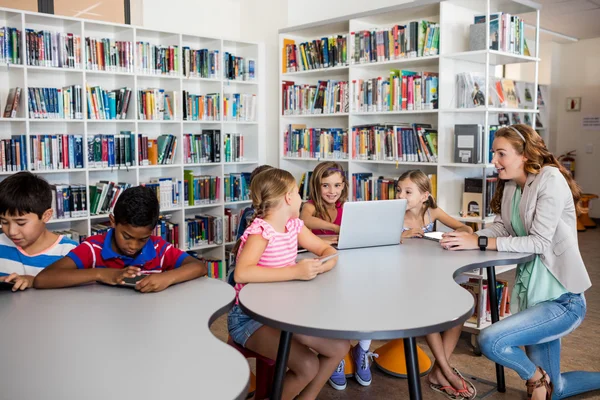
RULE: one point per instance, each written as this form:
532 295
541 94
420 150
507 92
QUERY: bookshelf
454 18
137 77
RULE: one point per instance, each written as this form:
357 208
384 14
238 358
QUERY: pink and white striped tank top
282 248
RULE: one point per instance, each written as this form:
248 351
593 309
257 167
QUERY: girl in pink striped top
267 253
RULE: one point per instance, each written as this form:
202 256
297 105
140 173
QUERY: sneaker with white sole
338 378
362 364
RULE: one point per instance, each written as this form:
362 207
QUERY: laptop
371 223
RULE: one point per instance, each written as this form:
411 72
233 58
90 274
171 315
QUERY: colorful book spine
13 154
55 103
238 68
325 52
201 189
109 55
197 107
56 152
203 230
237 187
107 105
109 151
10 45
156 104
159 151
321 143
53 49
69 201
326 97
240 107
168 192
157 60
201 63
202 148
167 230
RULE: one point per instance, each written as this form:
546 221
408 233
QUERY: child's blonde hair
321 171
423 184
266 190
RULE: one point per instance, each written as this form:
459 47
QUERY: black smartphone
6 285
131 282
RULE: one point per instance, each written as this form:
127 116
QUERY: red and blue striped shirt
156 255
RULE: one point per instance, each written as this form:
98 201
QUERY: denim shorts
241 326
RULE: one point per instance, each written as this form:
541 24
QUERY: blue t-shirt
14 260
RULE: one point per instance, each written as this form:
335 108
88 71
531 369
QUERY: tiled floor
581 349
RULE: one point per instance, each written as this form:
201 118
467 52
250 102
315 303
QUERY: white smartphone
437 236
327 258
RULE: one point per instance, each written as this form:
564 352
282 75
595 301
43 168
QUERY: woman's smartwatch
483 242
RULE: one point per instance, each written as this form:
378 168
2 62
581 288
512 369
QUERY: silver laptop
371 223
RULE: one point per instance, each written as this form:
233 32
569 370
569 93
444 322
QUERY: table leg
412 367
283 353
493 298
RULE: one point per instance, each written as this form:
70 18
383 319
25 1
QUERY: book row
240 107
157 60
107 104
109 55
366 187
10 45
415 39
326 97
323 143
320 53
403 90
53 49
502 92
395 142
201 63
159 151
507 34
239 68
53 103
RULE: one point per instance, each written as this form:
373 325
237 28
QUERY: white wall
575 74
200 17
305 11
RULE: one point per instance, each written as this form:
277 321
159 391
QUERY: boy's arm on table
312 222
186 269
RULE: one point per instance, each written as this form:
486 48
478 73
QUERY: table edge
387 334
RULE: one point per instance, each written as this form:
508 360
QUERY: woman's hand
412 233
459 241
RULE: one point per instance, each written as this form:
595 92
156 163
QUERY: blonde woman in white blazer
535 204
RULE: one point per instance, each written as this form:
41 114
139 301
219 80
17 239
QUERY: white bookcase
455 18
28 76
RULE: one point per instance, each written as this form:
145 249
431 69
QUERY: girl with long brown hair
535 205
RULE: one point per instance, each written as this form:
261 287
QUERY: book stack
404 90
13 103
238 68
202 148
326 52
507 34
53 49
157 60
326 97
10 45
479 287
398 142
233 147
203 230
323 143
216 268
13 154
156 104
365 187
107 151
200 189
201 63
68 201
231 221
100 228
104 196
159 151
109 55
108 104
415 39
237 187
52 103
54 152
304 186
240 107
71 234
168 192
197 107
473 199
167 230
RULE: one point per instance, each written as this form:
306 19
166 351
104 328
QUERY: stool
584 219
391 359
265 369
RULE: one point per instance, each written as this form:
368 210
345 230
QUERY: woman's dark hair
24 193
137 206
535 151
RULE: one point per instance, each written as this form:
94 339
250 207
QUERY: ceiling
576 18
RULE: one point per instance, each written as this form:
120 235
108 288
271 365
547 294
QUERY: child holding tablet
267 252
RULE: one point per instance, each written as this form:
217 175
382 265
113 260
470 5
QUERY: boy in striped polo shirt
26 246
127 250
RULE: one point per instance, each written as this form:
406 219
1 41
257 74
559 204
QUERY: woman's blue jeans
539 329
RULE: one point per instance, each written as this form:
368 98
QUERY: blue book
105 105
111 150
71 151
112 102
78 149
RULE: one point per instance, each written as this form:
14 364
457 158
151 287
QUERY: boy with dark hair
26 246
127 250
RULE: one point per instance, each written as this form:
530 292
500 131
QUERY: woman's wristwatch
483 242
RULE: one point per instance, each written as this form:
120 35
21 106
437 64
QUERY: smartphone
436 236
327 258
6 285
131 282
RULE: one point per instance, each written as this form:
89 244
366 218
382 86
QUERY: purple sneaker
338 378
362 364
